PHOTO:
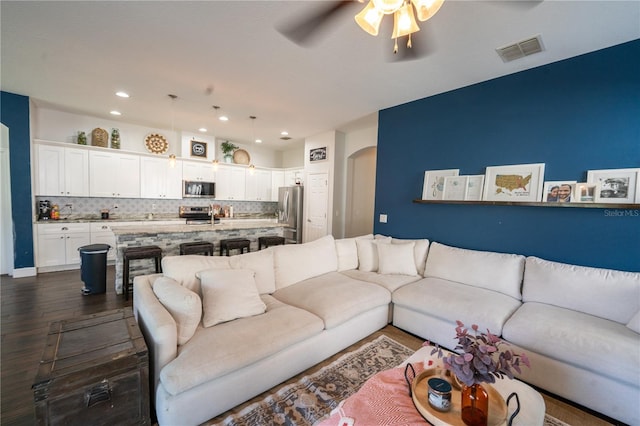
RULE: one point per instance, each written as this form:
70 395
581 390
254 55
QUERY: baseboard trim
24 272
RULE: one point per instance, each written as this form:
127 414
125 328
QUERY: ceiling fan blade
305 30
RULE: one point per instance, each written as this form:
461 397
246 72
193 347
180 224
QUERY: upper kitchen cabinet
277 181
61 171
159 180
198 170
114 174
258 185
230 183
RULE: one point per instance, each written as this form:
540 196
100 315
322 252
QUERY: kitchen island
169 238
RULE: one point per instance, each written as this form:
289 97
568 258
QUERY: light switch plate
383 218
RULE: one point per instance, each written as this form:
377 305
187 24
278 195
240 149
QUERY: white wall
293 158
6 222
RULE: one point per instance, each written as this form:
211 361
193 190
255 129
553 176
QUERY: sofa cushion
183 268
227 347
368 253
396 259
297 262
228 294
420 251
347 251
334 297
634 323
390 282
183 304
261 262
493 271
586 341
451 301
609 294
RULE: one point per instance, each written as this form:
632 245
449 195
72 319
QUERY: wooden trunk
94 370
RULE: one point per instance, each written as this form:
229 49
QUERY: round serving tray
419 392
240 156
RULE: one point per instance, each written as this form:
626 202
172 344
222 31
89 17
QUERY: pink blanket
383 400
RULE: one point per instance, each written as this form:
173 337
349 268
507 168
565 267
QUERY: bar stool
137 253
270 240
197 247
234 243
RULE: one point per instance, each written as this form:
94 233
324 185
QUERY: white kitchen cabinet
294 177
58 243
198 170
159 180
61 171
277 181
258 185
101 233
230 183
114 175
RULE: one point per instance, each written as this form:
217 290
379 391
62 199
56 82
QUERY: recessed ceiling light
258 140
114 112
223 118
202 129
122 94
284 133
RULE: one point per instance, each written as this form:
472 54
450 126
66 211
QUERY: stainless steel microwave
198 189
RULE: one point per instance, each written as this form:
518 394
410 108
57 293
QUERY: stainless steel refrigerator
290 212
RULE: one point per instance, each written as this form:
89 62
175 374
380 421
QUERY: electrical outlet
115 206
383 218
69 205
153 207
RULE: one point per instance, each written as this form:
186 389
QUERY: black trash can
93 268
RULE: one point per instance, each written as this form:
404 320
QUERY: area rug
313 397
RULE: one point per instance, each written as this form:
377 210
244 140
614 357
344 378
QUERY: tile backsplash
142 206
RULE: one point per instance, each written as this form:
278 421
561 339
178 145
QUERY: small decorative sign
198 149
318 154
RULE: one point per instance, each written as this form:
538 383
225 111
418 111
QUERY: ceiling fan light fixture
426 8
388 6
369 18
404 22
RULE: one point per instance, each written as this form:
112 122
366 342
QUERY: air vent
285 138
520 49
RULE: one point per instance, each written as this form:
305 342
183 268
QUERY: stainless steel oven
195 215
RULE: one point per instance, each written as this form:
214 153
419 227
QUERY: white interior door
6 223
317 193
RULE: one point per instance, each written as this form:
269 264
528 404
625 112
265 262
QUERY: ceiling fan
306 29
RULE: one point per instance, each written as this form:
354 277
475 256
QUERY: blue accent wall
14 113
575 115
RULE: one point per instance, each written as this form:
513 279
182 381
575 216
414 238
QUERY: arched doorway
361 190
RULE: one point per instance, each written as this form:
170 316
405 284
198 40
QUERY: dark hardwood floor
28 305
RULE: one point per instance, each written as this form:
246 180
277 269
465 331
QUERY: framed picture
198 149
616 185
517 183
474 188
454 187
558 191
434 183
318 154
585 192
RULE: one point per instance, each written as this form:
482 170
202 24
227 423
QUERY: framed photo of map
516 183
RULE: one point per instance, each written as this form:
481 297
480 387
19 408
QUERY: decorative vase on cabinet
115 138
82 138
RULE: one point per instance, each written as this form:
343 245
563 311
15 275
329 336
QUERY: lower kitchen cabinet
58 243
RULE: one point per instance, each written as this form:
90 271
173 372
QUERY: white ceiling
76 55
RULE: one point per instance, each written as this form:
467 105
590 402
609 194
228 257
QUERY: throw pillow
396 259
183 304
228 294
634 323
368 253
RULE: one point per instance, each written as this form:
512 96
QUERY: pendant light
172 157
253 129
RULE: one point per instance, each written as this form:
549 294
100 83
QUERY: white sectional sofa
222 330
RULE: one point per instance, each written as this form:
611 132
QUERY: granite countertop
222 226
145 218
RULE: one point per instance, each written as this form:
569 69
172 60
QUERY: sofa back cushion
499 272
183 269
261 262
298 262
605 293
347 251
184 305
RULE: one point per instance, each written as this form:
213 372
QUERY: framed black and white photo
516 183
318 154
619 186
198 149
434 183
558 191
